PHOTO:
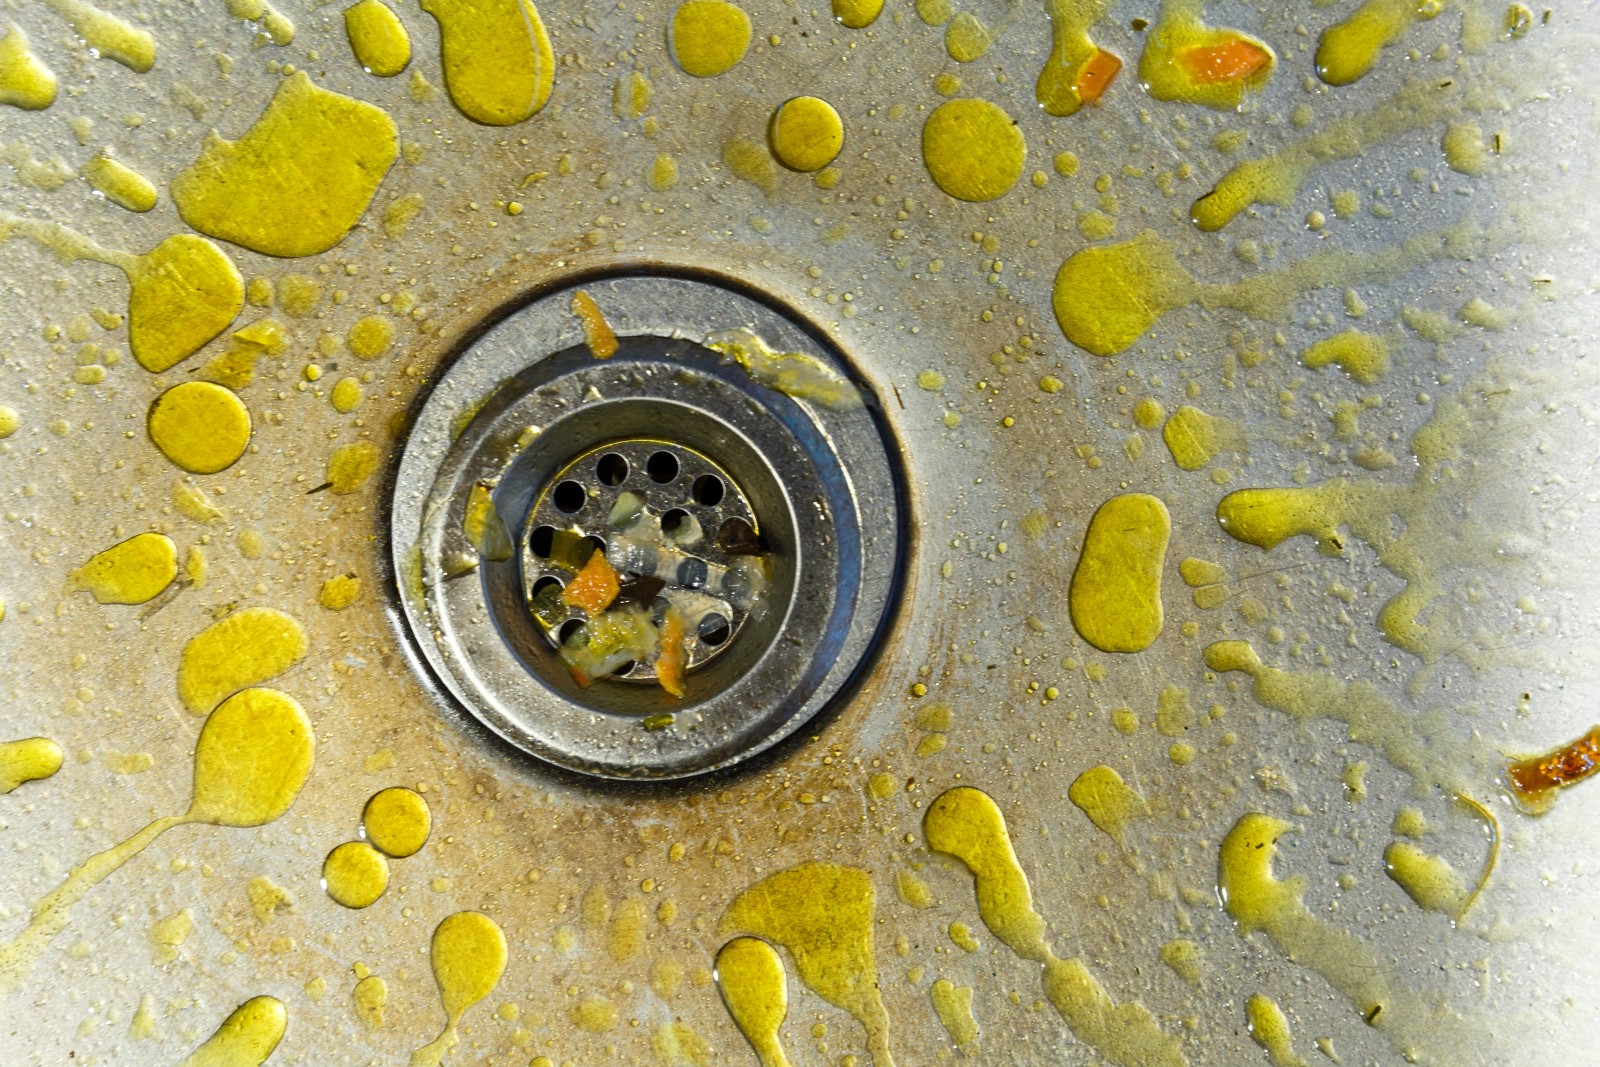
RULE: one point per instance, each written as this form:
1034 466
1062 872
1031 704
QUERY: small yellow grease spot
961 936
355 874
1427 879
1106 297
132 572
193 503
120 183
823 913
597 332
630 96
397 215
1269 1028
856 14
496 56
235 367
1184 957
795 374
485 530
806 133
25 81
245 649
1347 50
953 1005
143 1024
1108 801
108 35
1115 597
1465 150
194 565
129 762
1194 438
397 821
246 1038
469 956
346 395
200 426
709 37
663 173
913 890
371 997
274 23
28 760
1187 61
370 336
973 150
349 466
750 978
339 592
750 162
169 934
595 1014
1077 71
1363 356
10 421
378 38
298 180
966 38
267 898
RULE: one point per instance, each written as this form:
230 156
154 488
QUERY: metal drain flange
772 523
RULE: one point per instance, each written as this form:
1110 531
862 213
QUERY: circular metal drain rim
531 368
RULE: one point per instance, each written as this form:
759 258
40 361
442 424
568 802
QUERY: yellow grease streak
469 956
200 426
131 572
1347 50
298 180
750 977
497 60
973 150
795 374
597 332
1363 356
708 37
253 755
806 133
953 1005
967 824
108 35
1269 1028
1258 901
483 527
397 821
857 14
247 648
378 38
182 293
27 760
823 913
1179 34
120 183
1115 598
25 81
1429 880
1070 49
355 874
1108 801
246 1038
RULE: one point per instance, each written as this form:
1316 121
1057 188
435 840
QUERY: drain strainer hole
568 628
546 586
662 467
569 498
707 490
714 630
542 541
612 469
681 527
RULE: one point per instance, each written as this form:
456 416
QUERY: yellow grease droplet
597 333
10 421
953 1005
1363 356
806 133
1269 1028
298 180
750 978
131 572
346 395
355 874
857 14
378 38
246 648
630 96
973 150
496 56
1115 598
370 336
823 913
371 997
349 466
120 183
1108 801
397 821
469 956
751 162
25 81
1187 61
339 592
708 37
795 374
27 760
1194 438
182 293
1106 297
1347 50
109 36
246 1038
1427 879
1060 87
966 38
200 426
663 173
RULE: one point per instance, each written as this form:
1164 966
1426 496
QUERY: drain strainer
659 563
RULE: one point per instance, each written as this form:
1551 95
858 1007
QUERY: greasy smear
1347 50
298 180
1534 781
752 163
953 1005
1269 1028
750 977
1115 597
1108 801
183 292
246 1038
823 913
120 183
806 133
967 824
1077 70
1106 298
497 61
856 14
349 466
469 956
251 759
1363 356
397 821
1421 1028
378 38
274 23
131 572
355 874
1427 879
25 81
202 427
597 332
485 530
371 997
1187 61
708 37
109 36
246 648
28 760
973 150
1194 438
795 374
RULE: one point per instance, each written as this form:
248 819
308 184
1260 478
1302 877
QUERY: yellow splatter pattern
28 760
246 1038
132 572
750 978
469 956
245 649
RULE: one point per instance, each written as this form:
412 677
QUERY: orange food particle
669 664
594 588
597 333
1096 75
1234 61
1534 778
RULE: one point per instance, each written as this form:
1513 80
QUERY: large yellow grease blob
1077 71
708 37
1115 598
200 426
131 572
25 81
1106 297
298 180
1189 62
498 64
973 150
246 1038
806 133
27 760
750 977
469 956
823 913
246 648
397 821
1347 50
378 38
251 759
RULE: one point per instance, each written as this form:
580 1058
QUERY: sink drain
577 537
